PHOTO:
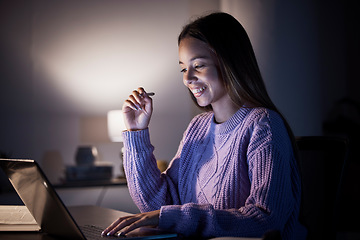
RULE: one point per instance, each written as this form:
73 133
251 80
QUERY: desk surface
86 215
82 214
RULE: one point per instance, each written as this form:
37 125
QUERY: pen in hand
149 94
142 95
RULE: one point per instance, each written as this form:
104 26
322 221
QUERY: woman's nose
189 76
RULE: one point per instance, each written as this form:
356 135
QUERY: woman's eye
183 70
199 66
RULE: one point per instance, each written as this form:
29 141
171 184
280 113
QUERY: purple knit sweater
238 178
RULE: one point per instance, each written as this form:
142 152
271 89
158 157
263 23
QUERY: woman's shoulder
200 121
268 122
202 117
260 114
264 119
198 126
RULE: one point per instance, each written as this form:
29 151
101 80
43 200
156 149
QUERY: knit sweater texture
237 178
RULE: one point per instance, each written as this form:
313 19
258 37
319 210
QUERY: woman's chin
202 103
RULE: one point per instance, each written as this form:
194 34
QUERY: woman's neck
224 112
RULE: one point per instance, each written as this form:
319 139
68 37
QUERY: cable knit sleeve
273 202
149 188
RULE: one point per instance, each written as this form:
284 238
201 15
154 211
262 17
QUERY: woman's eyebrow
195 58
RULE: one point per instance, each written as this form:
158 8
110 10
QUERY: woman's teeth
198 90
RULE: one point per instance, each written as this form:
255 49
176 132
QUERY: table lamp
116 126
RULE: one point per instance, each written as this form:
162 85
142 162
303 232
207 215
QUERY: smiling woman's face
201 75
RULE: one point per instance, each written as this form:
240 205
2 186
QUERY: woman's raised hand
137 110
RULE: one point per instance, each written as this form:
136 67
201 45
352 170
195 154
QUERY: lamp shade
116 125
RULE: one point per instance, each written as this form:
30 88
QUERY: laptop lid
40 198
45 205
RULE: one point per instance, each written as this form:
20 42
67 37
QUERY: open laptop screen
40 198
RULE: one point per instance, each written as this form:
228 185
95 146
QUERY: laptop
47 208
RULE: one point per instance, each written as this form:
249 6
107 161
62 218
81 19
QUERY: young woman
235 172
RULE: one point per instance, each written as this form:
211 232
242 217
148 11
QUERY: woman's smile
198 91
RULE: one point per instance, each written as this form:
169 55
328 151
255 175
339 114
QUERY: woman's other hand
137 110
126 224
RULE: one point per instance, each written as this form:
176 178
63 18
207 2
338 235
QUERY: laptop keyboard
92 232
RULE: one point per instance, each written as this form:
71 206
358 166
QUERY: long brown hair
239 69
240 73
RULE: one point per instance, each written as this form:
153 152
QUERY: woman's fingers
133 103
144 219
131 227
136 100
141 91
113 228
124 224
137 110
127 224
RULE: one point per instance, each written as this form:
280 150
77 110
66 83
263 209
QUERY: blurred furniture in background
344 120
322 163
114 195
